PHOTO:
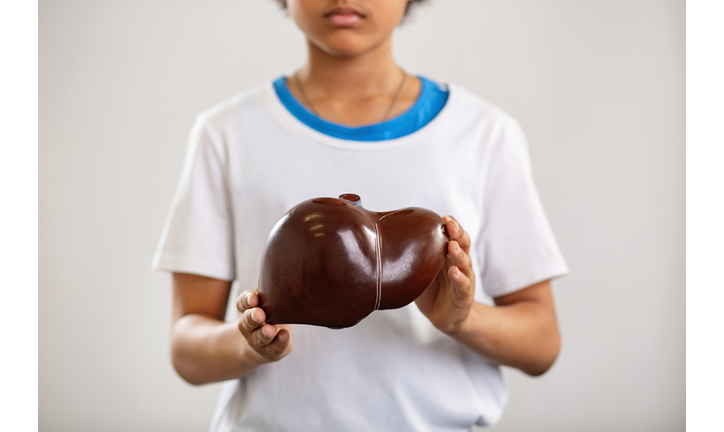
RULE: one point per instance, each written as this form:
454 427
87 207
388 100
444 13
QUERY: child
351 120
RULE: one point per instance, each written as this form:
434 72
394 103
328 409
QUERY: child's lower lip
344 20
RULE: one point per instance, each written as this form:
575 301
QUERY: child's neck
355 90
370 73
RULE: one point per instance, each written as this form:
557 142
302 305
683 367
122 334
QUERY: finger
460 258
457 233
264 335
280 343
247 299
251 320
462 284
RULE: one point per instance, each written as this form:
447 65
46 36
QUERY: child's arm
206 349
521 331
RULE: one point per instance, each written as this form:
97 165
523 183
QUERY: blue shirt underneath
429 103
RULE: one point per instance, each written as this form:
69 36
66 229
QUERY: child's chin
345 45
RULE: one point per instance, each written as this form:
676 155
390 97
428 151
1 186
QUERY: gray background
597 85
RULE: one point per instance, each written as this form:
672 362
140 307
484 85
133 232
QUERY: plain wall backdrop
598 86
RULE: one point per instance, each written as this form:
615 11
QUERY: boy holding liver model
352 120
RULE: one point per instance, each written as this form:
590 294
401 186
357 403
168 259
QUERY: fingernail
263 332
248 298
254 317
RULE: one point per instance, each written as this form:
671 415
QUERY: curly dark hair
283 4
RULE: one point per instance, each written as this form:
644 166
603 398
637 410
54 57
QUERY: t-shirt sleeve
516 243
198 235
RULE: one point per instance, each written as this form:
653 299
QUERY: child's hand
448 300
268 342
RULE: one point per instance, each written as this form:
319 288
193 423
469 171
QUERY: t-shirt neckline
429 102
280 112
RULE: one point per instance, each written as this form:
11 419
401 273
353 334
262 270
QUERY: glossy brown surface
330 262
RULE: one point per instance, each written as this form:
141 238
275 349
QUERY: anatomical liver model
330 262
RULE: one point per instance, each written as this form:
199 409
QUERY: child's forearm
523 335
206 350
521 331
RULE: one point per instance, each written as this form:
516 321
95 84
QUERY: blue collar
429 103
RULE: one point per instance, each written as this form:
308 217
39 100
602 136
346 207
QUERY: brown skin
206 349
351 78
521 331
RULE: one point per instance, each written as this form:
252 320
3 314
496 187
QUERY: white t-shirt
250 160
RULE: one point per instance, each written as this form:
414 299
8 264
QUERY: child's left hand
447 302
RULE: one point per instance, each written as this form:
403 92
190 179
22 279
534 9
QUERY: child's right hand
268 342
